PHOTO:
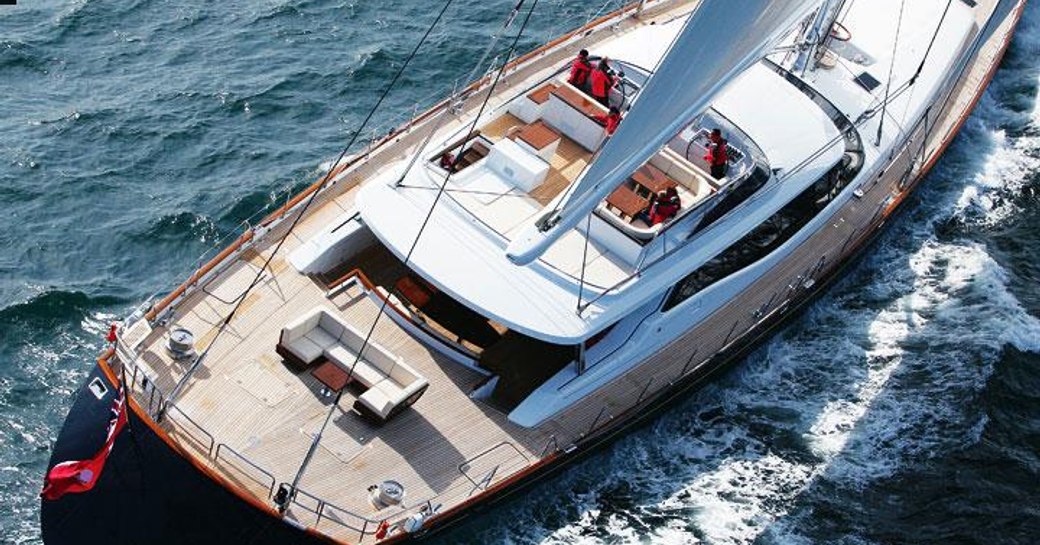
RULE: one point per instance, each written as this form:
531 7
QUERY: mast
717 44
816 34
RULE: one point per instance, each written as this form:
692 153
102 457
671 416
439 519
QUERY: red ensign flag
80 476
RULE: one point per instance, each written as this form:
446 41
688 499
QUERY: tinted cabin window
737 195
765 238
780 227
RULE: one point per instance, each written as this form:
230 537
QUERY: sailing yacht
482 296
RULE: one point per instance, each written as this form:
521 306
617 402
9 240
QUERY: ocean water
903 407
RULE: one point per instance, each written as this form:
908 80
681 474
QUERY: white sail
720 41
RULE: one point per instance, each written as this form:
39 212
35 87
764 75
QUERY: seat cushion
300 326
368 375
319 337
340 355
351 338
403 375
305 349
377 401
331 325
380 358
362 372
391 390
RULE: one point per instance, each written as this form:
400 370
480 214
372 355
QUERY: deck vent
868 82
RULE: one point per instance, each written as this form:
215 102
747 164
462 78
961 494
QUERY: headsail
719 42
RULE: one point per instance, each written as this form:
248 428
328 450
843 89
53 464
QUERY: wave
54 306
92 17
179 227
18 55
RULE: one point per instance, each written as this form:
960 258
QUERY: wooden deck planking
269 415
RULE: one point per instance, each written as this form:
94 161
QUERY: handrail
319 512
551 442
216 458
483 453
209 436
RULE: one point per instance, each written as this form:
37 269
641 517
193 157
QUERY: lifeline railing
150 397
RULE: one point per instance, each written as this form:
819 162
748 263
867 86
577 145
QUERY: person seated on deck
611 120
447 161
603 80
718 154
581 67
665 206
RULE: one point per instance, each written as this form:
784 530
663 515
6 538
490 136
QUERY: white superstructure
486 212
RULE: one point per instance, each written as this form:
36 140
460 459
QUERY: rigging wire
310 200
920 67
584 261
415 243
457 97
891 68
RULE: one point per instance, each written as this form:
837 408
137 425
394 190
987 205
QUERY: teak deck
246 416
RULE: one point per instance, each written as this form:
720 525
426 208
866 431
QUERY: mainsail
720 41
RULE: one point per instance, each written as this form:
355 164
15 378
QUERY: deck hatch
866 81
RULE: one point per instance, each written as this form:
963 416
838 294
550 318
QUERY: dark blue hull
147 493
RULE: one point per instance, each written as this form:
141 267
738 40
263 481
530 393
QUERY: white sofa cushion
389 380
403 375
378 402
305 349
319 337
363 372
300 326
331 325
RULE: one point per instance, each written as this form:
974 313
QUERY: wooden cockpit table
627 201
652 179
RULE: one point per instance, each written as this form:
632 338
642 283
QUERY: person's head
716 135
614 110
583 54
604 64
672 194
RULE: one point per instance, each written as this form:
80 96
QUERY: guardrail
321 508
149 396
264 472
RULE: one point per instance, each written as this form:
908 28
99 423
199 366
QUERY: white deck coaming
535 299
463 257
645 46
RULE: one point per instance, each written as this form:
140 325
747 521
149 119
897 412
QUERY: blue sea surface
903 407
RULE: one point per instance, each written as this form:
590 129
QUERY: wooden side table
332 376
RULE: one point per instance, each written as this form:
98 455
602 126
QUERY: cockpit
683 168
532 149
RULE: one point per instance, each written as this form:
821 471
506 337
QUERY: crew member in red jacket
611 120
665 207
580 70
718 154
603 80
